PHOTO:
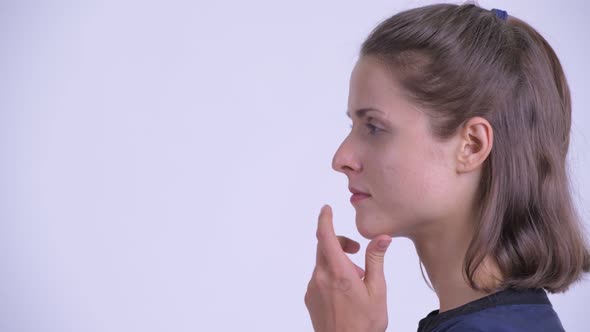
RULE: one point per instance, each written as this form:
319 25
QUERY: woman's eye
372 129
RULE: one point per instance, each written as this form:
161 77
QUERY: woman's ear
476 140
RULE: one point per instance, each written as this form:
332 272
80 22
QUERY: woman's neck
442 253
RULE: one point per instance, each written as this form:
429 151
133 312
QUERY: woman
461 120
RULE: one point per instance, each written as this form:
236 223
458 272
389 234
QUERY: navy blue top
510 310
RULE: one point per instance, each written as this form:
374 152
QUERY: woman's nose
345 159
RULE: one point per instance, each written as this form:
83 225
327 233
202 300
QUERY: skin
421 188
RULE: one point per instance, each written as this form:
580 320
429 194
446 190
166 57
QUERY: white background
162 164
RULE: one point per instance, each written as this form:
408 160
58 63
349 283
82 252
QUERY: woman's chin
369 230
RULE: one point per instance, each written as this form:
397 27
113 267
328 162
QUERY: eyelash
373 130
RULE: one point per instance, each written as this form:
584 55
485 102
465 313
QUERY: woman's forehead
373 86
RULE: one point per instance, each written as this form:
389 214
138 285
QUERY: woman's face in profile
390 154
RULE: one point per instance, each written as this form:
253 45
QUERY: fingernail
383 244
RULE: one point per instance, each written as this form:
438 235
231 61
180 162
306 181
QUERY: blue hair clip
501 14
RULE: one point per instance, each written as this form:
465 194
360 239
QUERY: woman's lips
358 197
357 194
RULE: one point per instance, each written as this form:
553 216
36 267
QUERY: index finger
328 243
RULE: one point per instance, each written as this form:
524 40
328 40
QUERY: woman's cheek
413 186
398 190
436 193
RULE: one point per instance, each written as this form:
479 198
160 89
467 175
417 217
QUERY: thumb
375 256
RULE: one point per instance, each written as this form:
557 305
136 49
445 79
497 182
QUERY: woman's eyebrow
360 113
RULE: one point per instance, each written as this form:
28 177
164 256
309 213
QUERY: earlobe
476 137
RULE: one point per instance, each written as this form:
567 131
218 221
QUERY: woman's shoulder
506 311
506 318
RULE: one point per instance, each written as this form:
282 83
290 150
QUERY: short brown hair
461 61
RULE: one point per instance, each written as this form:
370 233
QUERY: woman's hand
341 296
